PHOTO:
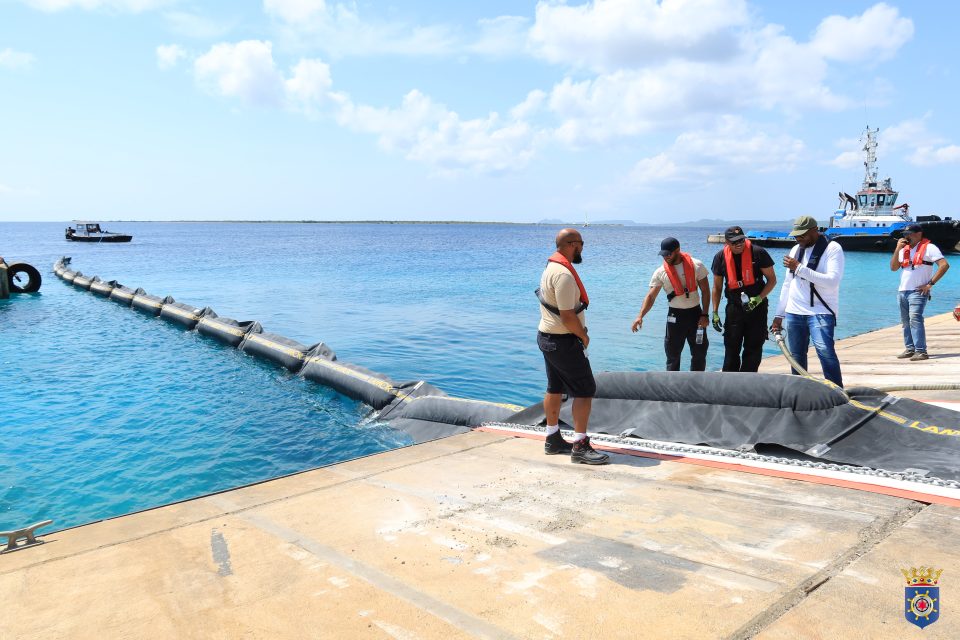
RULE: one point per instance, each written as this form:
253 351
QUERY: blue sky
502 111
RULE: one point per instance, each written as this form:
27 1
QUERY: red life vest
561 259
689 274
917 257
746 267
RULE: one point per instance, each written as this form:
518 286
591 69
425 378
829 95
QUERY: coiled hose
778 338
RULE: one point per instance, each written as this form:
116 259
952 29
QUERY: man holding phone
916 255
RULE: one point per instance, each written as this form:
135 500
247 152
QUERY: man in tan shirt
563 339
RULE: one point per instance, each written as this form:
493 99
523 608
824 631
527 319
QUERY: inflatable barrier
432 416
813 421
102 288
285 352
374 389
151 305
763 411
418 408
82 281
227 330
183 314
124 295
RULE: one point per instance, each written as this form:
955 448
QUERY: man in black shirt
746 290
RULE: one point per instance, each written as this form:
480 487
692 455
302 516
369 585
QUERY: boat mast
870 156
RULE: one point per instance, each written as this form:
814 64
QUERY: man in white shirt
916 281
684 278
810 297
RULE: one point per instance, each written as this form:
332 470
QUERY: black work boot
555 444
585 454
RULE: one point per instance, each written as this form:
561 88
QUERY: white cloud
247 71
168 55
651 65
308 88
501 36
129 6
929 156
908 134
16 60
530 106
244 70
910 138
766 70
338 30
430 133
296 11
922 147
701 157
876 34
617 34
848 160
192 25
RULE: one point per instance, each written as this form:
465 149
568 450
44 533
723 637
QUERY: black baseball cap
734 234
913 228
668 246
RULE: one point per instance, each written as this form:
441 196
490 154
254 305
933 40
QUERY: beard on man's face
577 258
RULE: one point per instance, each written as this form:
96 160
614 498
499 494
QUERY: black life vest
818 248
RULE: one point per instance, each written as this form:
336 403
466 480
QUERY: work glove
754 302
716 322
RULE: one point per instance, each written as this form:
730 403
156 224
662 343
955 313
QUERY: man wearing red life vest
562 338
750 277
688 295
916 256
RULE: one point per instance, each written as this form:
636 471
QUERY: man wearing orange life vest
563 340
916 281
688 295
750 278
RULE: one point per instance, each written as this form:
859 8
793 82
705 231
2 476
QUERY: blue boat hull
943 233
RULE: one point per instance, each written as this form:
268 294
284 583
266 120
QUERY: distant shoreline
705 224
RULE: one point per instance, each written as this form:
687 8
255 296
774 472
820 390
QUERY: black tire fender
33 278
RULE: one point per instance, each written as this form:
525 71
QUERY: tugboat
91 232
872 220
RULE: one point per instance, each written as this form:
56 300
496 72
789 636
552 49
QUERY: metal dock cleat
27 533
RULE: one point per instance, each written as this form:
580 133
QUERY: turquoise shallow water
107 411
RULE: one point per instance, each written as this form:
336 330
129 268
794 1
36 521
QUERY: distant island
706 223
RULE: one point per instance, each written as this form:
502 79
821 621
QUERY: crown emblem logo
922 577
921 596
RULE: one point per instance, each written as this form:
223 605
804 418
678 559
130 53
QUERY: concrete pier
482 536
870 360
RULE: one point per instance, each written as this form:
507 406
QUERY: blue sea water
106 411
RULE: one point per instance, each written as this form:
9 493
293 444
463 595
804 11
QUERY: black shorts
568 369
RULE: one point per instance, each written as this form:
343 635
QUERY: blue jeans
912 304
819 328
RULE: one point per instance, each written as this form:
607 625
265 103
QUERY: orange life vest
561 259
746 267
917 257
689 275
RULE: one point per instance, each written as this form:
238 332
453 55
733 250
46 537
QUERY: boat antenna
869 139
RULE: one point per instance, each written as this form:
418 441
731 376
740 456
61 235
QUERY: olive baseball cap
803 224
